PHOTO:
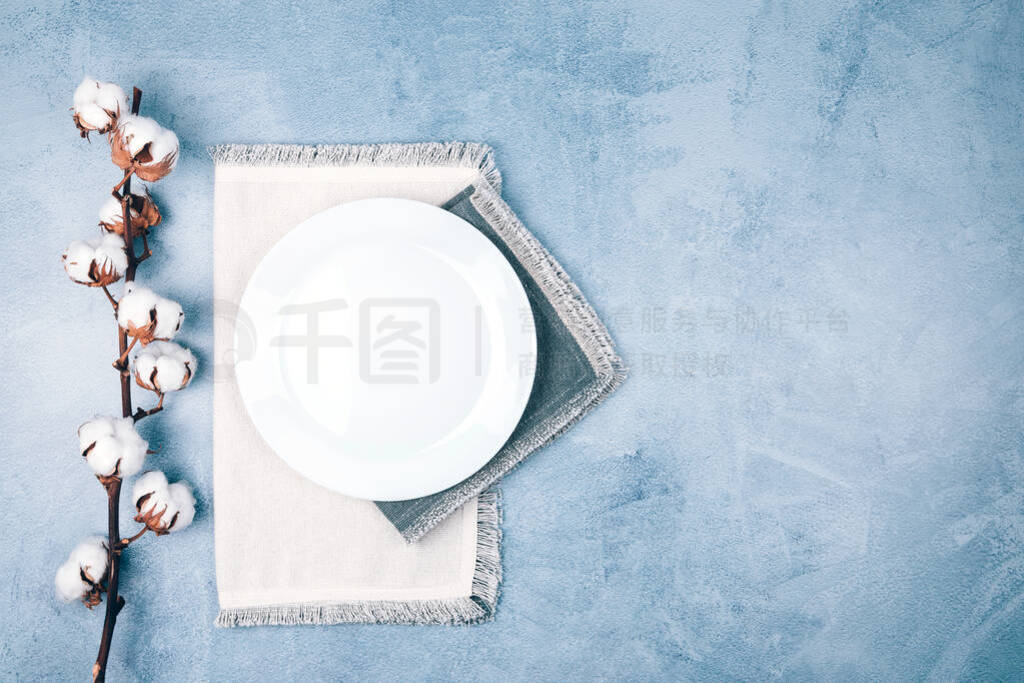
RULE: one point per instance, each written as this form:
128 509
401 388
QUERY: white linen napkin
287 550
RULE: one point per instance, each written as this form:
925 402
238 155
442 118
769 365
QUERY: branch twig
126 541
140 413
126 182
121 363
114 601
110 297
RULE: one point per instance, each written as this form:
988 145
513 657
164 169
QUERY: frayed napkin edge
475 608
460 154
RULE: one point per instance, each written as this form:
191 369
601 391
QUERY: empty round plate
394 349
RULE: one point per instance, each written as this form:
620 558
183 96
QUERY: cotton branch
114 601
144 150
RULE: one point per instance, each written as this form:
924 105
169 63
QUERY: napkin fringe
468 154
477 607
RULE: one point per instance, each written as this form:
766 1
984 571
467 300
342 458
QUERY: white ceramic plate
394 349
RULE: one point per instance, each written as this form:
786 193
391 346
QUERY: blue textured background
802 222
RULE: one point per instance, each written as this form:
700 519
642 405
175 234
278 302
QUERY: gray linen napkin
576 364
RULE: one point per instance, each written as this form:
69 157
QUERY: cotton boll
81 575
151 499
136 309
157 506
107 96
91 556
169 317
148 316
181 496
97 261
144 214
112 249
148 483
111 446
97 106
142 144
161 506
164 366
164 151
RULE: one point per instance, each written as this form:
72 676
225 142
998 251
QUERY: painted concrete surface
802 222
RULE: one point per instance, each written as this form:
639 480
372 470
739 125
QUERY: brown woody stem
127 183
110 297
140 413
114 601
122 361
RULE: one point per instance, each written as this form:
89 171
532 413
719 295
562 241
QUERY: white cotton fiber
182 498
78 261
110 211
165 147
167 507
112 446
69 582
111 248
138 131
106 251
152 482
140 306
97 105
173 364
157 510
89 558
169 317
133 134
135 306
